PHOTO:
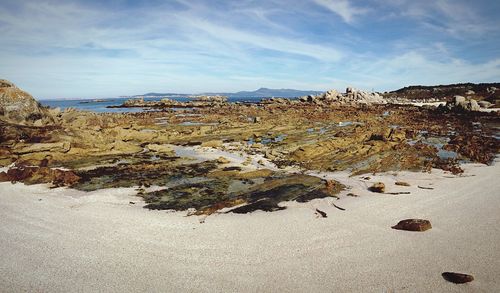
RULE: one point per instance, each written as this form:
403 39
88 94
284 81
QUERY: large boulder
458 100
485 104
461 104
362 97
350 97
19 107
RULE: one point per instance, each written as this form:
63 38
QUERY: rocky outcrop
350 97
212 99
329 96
19 107
141 103
198 101
461 104
362 97
478 92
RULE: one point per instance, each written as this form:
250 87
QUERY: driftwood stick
342 209
321 213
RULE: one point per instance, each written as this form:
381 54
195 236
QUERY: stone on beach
402 183
417 225
457 278
378 187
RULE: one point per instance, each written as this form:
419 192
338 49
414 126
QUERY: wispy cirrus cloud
344 8
459 19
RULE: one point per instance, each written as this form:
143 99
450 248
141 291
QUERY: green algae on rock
213 195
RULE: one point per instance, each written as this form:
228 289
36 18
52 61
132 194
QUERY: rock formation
461 104
351 97
141 103
198 101
19 107
213 99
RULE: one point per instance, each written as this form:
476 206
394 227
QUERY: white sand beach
62 240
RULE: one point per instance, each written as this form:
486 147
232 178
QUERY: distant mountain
260 93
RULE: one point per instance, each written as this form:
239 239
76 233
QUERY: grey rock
19 107
457 100
484 104
461 104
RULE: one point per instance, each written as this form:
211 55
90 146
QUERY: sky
88 49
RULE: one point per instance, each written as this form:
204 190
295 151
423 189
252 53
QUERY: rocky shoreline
355 132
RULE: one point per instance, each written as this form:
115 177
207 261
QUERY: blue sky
95 48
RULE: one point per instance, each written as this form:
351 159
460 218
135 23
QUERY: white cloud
459 19
343 8
270 42
415 68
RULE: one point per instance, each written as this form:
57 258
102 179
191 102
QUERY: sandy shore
63 240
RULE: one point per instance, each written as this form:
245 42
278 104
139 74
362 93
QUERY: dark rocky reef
197 102
489 92
37 175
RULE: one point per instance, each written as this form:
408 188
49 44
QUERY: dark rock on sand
321 213
378 187
265 204
457 278
37 175
401 183
227 189
417 225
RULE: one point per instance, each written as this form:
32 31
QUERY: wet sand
61 240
